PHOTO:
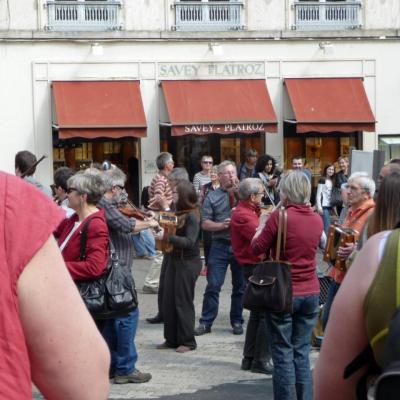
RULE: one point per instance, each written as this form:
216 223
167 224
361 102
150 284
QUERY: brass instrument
168 221
338 236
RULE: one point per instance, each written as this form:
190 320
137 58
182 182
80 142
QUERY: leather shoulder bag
270 287
112 294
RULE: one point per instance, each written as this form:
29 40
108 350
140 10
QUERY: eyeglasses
70 190
207 162
119 187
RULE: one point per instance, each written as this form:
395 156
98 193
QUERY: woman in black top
183 266
269 175
341 177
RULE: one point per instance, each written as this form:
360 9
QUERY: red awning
219 106
330 105
93 109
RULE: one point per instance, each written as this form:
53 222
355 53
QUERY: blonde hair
296 187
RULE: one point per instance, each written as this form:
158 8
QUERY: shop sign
205 129
212 70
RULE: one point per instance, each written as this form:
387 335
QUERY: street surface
211 372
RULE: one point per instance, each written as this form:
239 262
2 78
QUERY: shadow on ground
243 390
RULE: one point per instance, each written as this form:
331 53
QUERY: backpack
377 383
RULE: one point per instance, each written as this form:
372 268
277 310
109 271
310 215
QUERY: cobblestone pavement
211 372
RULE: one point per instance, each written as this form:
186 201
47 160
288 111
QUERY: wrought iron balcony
327 15
83 15
208 16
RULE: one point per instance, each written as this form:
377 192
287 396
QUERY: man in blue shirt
216 215
297 164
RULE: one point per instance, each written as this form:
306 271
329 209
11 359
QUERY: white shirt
324 191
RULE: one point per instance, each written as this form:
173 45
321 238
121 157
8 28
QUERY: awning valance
219 106
94 109
330 105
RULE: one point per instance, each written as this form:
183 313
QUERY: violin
131 211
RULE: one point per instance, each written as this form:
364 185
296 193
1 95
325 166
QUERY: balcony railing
327 15
204 16
83 16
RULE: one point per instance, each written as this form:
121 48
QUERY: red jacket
244 222
96 246
304 230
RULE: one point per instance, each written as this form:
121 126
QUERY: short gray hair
178 174
365 182
113 177
162 160
221 167
89 183
249 186
296 187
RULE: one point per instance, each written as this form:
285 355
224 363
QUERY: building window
210 15
83 15
322 15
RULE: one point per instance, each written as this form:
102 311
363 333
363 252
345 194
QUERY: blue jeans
291 336
333 288
144 244
220 257
119 333
326 218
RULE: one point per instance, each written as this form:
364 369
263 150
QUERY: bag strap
284 212
281 234
83 241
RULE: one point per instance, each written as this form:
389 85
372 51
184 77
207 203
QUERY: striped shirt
120 230
159 187
199 180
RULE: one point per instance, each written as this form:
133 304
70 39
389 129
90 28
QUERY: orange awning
219 106
330 105
93 109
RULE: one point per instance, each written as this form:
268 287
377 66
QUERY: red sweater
96 246
244 222
304 230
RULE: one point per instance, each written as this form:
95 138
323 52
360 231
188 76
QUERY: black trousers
160 294
257 344
178 308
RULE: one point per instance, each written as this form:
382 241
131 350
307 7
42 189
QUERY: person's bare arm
345 336
69 358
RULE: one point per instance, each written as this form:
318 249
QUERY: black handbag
270 287
112 294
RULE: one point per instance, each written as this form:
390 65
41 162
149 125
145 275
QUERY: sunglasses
207 162
70 190
119 187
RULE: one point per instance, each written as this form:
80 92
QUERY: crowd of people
234 211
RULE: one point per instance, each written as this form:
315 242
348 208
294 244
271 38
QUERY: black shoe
237 329
262 367
155 320
246 363
202 329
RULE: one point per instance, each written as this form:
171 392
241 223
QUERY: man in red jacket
244 222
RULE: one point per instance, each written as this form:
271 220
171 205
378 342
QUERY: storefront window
390 145
188 150
125 153
319 151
